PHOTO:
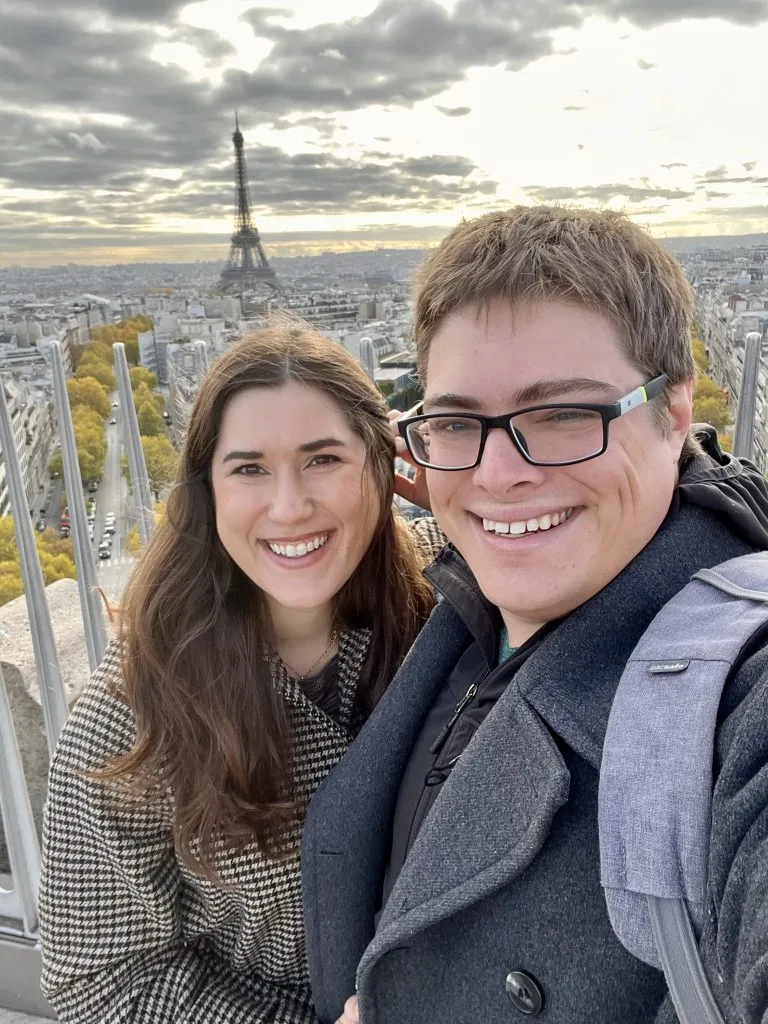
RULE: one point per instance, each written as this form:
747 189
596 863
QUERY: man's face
601 512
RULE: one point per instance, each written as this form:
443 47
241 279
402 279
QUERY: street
113 496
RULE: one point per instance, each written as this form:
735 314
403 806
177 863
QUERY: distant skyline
371 123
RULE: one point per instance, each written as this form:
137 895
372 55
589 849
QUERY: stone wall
18 664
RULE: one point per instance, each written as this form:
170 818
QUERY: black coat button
525 994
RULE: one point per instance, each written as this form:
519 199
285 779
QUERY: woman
267 616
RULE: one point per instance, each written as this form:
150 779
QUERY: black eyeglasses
556 434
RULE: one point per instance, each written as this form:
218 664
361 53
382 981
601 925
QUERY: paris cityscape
174 175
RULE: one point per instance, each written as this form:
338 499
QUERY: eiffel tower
247 265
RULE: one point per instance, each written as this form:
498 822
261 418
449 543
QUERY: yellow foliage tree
161 459
89 392
132 538
150 420
711 410
56 561
133 542
142 394
93 367
140 376
699 355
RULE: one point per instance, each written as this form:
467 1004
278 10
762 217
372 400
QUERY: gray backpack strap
655 795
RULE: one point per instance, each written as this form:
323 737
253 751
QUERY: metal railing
19 940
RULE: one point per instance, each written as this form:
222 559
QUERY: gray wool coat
504 874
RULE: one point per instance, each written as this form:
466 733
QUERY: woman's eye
251 469
324 460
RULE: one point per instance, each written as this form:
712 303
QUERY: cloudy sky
370 122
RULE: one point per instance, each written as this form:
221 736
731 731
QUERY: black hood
732 488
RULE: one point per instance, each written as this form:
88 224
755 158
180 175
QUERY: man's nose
502 466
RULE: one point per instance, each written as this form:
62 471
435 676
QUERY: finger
351 1011
404 487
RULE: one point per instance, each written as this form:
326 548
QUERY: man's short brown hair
597 259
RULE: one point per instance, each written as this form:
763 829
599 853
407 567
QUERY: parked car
109 529
64 532
113 421
40 525
115 404
105 550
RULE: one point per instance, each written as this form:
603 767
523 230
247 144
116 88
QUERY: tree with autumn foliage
89 392
161 459
710 401
56 560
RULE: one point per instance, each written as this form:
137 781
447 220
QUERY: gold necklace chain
301 676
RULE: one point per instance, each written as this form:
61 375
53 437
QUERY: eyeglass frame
640 395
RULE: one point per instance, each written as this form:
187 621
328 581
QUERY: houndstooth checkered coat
129 933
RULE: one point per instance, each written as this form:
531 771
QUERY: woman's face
296 506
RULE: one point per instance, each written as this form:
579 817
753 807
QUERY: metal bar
46 659
744 433
142 497
19 825
90 602
367 357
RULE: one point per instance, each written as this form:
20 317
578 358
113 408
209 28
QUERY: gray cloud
87 118
647 13
455 111
670 166
644 65
572 107
603 193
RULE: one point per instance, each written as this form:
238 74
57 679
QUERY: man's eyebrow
309 446
539 391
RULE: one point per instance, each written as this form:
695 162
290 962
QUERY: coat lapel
487 824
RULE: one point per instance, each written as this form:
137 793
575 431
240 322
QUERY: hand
415 490
350 1015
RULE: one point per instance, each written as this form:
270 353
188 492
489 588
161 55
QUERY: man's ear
680 409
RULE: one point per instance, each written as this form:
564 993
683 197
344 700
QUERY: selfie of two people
451 857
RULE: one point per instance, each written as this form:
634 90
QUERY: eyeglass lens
546 435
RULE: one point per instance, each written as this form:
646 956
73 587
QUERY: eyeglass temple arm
642 394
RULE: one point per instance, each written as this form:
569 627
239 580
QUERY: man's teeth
299 550
517 529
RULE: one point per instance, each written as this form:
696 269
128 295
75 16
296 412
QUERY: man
451 861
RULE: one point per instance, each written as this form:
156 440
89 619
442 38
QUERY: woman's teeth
298 550
518 528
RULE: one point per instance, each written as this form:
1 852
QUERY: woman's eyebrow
309 446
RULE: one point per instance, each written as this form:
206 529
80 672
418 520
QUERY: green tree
150 420
161 459
140 376
89 392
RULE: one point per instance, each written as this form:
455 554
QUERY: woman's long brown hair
211 726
